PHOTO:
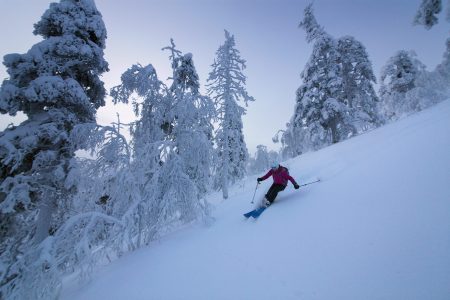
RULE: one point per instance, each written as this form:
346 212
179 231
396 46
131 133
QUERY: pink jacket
280 176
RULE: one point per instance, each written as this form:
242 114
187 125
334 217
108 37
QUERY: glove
259 179
296 186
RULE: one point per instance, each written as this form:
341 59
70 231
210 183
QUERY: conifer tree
146 91
398 77
426 14
336 99
358 83
262 160
172 151
57 85
227 87
320 116
443 69
191 123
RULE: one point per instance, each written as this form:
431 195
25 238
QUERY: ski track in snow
376 227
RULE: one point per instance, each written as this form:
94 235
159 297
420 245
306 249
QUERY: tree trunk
225 177
44 220
334 131
225 187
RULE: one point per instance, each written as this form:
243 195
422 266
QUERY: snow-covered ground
376 227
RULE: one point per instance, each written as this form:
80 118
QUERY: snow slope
376 227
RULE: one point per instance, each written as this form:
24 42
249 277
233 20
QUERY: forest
63 213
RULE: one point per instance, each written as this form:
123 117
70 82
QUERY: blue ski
255 213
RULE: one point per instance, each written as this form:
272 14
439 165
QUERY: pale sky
266 34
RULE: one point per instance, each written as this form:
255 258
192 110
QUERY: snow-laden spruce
56 85
262 160
442 70
337 98
426 14
358 81
191 120
226 86
172 150
398 77
407 87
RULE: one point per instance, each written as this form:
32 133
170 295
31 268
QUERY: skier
280 176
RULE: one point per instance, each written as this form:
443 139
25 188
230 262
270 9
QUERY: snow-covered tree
431 87
192 116
262 160
398 77
56 84
227 87
146 92
336 99
318 106
107 192
312 28
291 141
407 87
442 71
426 14
320 116
434 86
172 150
185 77
358 82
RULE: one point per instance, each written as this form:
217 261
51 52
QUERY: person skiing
280 176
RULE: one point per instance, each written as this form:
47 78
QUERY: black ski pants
273 191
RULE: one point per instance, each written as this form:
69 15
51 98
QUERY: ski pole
310 182
257 183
